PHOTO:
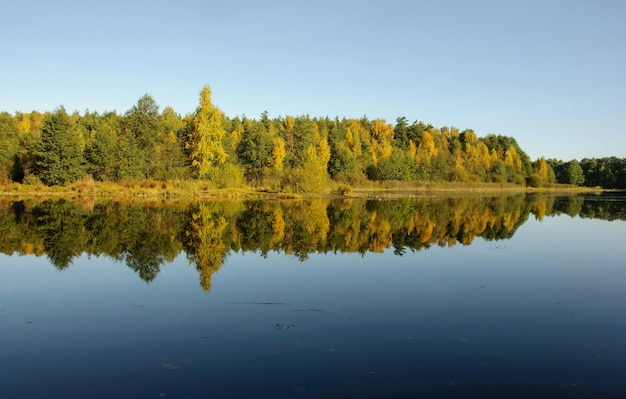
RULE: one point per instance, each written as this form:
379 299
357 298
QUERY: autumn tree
542 173
29 126
204 137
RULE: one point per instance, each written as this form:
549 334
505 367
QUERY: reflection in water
146 237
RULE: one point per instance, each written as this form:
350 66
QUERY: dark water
433 298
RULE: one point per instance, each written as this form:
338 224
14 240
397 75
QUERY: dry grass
198 189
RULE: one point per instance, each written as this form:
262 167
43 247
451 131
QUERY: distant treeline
294 154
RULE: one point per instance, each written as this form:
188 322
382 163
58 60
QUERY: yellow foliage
412 150
278 226
324 151
205 136
381 130
278 154
542 169
427 144
207 248
290 124
511 157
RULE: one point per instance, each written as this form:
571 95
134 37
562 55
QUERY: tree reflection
146 237
204 241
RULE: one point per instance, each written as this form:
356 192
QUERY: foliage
8 145
59 155
204 138
293 153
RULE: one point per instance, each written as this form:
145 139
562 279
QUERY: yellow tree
278 154
382 136
542 169
204 139
427 144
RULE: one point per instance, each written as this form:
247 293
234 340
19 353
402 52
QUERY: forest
296 154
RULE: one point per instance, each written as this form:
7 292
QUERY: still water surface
430 298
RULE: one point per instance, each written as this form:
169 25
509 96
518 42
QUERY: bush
85 184
32 180
343 189
353 178
535 181
301 180
226 175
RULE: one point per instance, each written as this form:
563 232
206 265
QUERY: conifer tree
59 156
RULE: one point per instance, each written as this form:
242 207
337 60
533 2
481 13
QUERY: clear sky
551 73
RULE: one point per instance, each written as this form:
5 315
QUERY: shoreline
199 190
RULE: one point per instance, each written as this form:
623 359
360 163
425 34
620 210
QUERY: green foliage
8 145
342 162
574 173
59 156
399 166
604 172
102 153
255 151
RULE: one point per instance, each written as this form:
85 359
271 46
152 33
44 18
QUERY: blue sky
552 74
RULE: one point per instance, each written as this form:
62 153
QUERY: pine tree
59 157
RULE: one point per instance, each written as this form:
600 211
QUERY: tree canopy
285 153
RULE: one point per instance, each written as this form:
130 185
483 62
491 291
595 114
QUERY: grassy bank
196 189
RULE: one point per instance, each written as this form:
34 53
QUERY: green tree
9 142
102 153
254 150
141 126
574 173
59 157
401 133
169 151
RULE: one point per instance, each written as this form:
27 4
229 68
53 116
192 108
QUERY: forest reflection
145 237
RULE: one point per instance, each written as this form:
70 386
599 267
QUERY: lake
468 297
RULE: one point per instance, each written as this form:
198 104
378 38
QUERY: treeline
294 154
147 237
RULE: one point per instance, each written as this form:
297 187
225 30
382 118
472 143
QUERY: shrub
301 180
226 175
343 189
32 180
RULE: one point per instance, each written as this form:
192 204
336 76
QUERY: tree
142 122
102 152
204 137
169 151
543 173
59 157
8 145
400 132
574 173
255 150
